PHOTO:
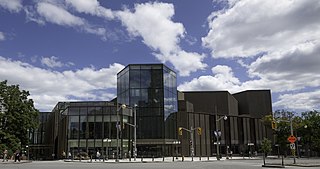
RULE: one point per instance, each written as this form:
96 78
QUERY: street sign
292 139
292 146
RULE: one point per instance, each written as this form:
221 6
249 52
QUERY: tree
19 117
266 146
310 132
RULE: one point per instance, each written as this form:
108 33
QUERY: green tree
266 146
310 130
19 116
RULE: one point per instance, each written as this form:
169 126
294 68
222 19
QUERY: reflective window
83 127
73 111
145 78
134 78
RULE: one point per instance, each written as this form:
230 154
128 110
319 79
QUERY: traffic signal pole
191 131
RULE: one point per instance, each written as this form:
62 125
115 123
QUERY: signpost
292 139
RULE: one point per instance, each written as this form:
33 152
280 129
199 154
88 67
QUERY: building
150 91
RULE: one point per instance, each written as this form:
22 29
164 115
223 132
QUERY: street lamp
118 126
107 147
135 131
218 133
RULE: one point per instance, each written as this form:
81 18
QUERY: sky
71 50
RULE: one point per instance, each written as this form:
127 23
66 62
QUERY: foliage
310 131
305 126
266 146
19 116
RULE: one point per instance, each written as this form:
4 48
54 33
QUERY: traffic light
273 125
199 130
180 131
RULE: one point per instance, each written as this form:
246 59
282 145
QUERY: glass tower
153 89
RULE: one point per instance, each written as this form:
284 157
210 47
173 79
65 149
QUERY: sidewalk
165 159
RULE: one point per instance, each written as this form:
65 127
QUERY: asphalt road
224 164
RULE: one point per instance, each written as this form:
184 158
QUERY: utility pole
217 133
191 130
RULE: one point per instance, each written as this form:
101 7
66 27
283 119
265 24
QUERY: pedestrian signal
273 125
180 131
199 130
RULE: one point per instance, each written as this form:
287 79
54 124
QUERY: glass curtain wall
87 128
152 87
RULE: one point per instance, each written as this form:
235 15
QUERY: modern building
150 91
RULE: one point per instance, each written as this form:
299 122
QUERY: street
223 164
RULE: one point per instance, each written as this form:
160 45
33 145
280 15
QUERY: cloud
48 87
53 62
57 14
92 7
153 22
222 78
11 5
300 101
2 37
250 27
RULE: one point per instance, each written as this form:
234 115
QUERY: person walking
17 156
63 155
98 155
69 155
5 155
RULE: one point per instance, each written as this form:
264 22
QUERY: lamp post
135 132
218 133
118 126
107 147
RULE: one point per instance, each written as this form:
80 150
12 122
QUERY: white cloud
300 101
57 14
92 7
11 5
222 78
153 22
51 62
253 26
2 37
48 87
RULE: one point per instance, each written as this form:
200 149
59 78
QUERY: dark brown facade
242 132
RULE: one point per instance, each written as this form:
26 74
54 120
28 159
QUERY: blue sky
64 50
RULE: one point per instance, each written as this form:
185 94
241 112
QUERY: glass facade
88 124
153 89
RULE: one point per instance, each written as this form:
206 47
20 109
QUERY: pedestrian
69 155
63 155
98 155
17 156
5 155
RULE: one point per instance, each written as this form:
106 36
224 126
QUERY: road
224 164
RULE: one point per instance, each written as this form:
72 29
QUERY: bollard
192 158
141 158
282 163
162 158
152 158
208 158
91 159
182 158
172 158
200 158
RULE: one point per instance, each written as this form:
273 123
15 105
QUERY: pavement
271 162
